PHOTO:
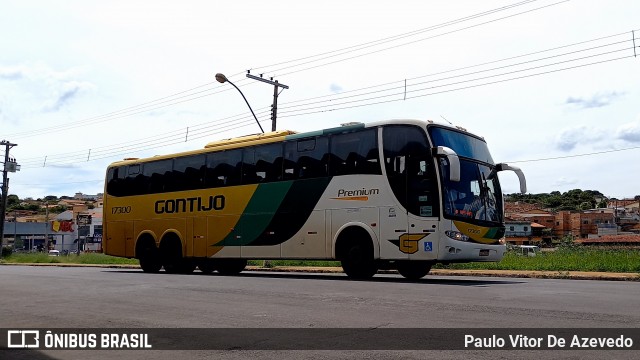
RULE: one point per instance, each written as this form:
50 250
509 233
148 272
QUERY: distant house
542 225
526 223
81 196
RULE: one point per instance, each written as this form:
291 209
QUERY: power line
413 42
190 96
389 39
396 94
574 156
454 70
205 129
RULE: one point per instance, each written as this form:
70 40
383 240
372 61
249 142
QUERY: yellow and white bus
395 194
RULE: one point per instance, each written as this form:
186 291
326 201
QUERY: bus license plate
484 252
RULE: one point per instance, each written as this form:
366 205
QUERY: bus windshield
477 195
474 196
464 145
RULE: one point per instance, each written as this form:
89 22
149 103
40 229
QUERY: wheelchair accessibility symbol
428 246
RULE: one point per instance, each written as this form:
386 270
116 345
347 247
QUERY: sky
553 86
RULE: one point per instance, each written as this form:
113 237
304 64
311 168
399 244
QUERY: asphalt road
57 297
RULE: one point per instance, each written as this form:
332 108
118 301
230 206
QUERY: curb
574 275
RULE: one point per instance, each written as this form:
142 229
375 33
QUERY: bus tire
230 266
148 255
358 262
413 270
206 267
150 262
171 256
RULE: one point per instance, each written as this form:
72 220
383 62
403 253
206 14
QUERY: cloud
563 182
595 101
35 87
569 138
63 166
629 132
12 73
335 88
65 93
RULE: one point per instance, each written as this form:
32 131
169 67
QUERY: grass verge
85 258
572 259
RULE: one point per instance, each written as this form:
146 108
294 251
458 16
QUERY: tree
12 200
57 209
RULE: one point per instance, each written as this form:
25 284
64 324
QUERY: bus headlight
456 235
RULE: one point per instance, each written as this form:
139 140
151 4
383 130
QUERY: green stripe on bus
258 214
493 233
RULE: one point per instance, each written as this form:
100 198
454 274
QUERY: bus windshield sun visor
454 161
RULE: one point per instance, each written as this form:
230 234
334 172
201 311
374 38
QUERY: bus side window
268 160
116 178
188 172
249 175
223 168
290 166
157 176
355 153
306 158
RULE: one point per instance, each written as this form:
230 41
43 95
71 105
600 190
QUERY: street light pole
274 107
223 79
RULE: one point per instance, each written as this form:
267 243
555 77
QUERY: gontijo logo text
31 339
192 204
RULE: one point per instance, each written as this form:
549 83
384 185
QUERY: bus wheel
230 266
150 262
206 266
358 262
413 270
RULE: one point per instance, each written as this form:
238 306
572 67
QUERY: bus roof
249 140
281 135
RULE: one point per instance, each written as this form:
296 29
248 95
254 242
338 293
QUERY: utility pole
274 107
46 226
9 165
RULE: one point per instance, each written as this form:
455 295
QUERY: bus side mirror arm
515 169
454 161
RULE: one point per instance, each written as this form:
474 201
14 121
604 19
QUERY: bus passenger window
249 175
135 182
306 158
116 178
355 153
188 172
158 176
223 168
268 162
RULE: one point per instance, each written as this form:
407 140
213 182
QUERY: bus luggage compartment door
120 238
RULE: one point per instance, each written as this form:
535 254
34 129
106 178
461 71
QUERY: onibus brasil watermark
37 339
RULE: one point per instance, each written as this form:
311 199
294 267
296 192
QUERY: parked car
54 253
527 250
